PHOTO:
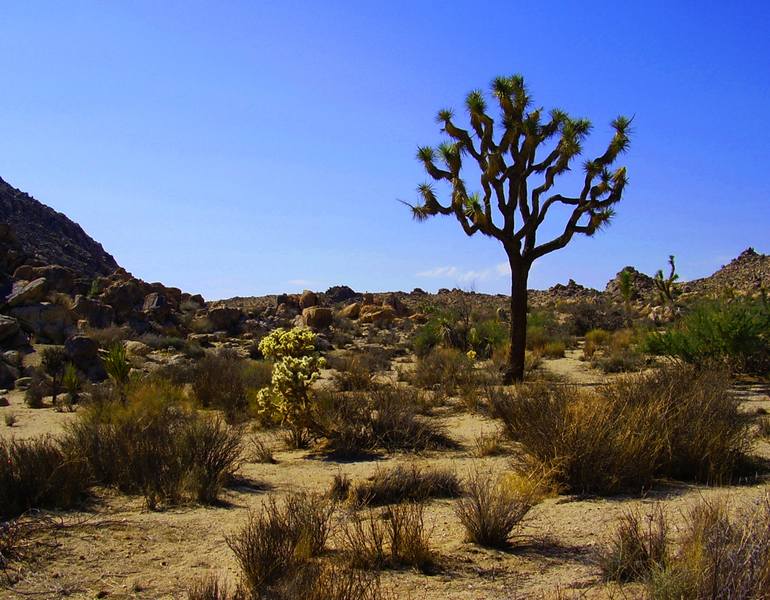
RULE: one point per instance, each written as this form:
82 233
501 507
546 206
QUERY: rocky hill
746 274
49 237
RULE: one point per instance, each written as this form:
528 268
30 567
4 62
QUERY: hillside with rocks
50 237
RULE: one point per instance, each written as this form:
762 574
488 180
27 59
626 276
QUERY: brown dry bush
355 370
156 446
39 473
677 422
402 483
445 370
211 588
222 380
260 451
637 547
491 509
387 418
716 556
277 541
398 537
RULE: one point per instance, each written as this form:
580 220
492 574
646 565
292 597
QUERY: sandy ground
116 549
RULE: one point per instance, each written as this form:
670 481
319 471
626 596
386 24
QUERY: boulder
28 292
124 297
4 401
371 313
94 312
12 357
136 348
308 299
317 317
156 306
8 375
286 310
351 311
340 293
368 298
49 322
59 279
22 383
225 318
82 350
396 304
9 327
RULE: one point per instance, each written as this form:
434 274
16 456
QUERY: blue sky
243 148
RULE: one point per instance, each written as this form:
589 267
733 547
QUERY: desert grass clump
676 422
554 349
279 540
211 450
355 371
488 444
383 418
444 370
395 538
491 509
405 483
218 382
10 419
637 547
211 588
260 452
156 445
39 473
718 555
38 388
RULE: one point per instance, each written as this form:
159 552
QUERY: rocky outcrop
642 286
48 237
748 273
317 317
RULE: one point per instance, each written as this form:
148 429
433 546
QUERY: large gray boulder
96 313
28 292
49 322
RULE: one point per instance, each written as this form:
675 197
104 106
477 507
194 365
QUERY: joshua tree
667 288
518 183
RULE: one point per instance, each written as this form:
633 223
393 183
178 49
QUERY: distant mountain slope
747 273
50 237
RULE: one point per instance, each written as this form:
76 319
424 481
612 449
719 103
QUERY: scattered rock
340 293
28 292
9 327
308 299
351 311
317 317
225 318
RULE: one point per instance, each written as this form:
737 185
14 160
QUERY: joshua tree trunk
518 333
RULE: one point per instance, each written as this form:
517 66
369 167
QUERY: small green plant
54 360
118 368
734 332
71 382
296 366
667 285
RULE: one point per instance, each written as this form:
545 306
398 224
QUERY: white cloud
300 282
467 275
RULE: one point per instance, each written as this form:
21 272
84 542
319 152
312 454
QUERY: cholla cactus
297 366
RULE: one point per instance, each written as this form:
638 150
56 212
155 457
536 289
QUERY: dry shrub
618 361
402 483
445 370
339 488
491 509
260 452
396 538
637 547
355 370
386 417
676 422
210 588
489 444
277 541
222 380
553 349
107 337
39 473
716 556
329 581
156 446
211 452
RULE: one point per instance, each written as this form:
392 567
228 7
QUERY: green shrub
39 473
735 332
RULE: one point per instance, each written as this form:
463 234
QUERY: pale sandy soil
117 549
